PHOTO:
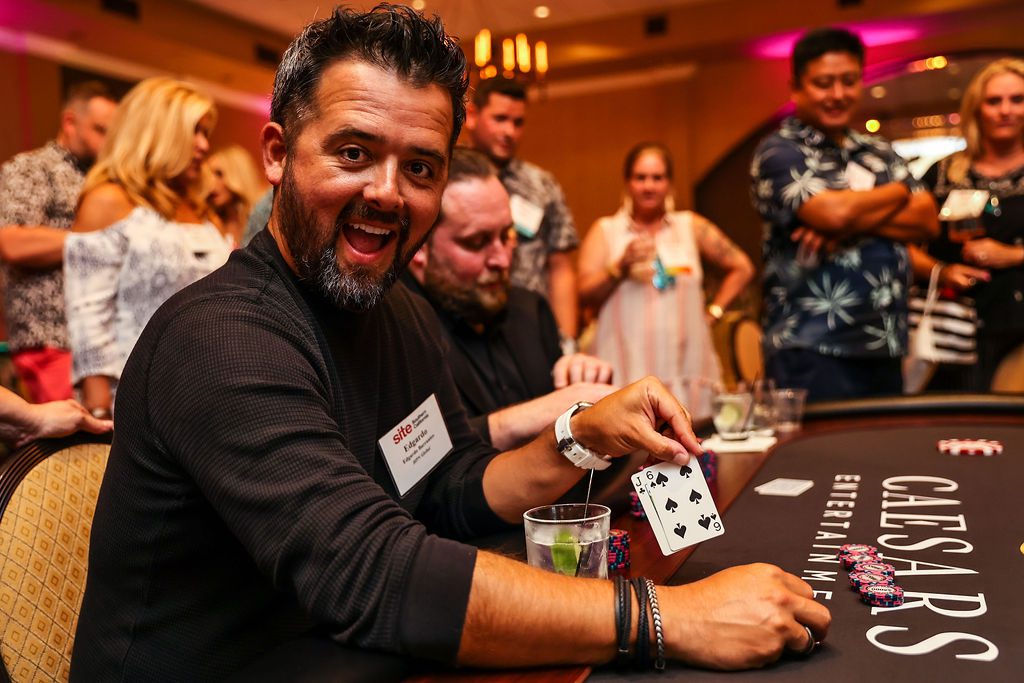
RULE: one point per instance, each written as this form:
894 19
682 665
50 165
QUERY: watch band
578 455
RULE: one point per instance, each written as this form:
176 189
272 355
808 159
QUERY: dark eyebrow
350 132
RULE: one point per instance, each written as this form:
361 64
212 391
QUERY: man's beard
469 303
313 248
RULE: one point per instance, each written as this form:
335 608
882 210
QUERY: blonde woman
237 186
982 251
142 230
641 268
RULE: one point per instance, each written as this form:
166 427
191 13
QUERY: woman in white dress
641 269
142 230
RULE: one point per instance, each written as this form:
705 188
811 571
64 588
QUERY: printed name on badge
414 446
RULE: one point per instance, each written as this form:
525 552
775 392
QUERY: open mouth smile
366 239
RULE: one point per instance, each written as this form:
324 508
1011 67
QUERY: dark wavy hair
392 37
814 44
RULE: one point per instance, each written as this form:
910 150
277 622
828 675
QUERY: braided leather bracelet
659 634
643 629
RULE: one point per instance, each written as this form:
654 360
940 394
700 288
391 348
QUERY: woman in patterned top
642 269
982 250
142 230
237 186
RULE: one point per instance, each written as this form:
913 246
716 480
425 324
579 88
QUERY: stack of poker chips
636 508
618 550
709 466
870 576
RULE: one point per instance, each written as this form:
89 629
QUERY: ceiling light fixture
511 57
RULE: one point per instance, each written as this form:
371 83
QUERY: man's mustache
366 212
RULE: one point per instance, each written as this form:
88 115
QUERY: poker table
952 525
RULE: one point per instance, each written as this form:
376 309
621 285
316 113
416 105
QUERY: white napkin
751 444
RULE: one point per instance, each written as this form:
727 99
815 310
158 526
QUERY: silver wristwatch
578 455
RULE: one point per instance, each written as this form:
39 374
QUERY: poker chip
883 568
636 508
857 549
882 595
618 549
860 579
849 561
970 447
709 466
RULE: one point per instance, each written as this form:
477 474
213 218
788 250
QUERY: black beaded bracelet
659 634
623 622
643 629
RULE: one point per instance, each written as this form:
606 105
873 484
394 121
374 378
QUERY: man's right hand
641 250
740 618
628 421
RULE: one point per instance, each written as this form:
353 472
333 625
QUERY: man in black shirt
505 351
291 456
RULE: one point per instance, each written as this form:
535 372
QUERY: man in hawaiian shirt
38 195
838 207
544 225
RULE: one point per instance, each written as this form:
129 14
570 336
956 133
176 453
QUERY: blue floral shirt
852 302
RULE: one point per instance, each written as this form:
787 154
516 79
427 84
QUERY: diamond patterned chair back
48 493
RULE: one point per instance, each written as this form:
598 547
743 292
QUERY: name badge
673 254
859 178
414 446
526 215
963 204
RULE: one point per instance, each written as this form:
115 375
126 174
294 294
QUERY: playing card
642 485
682 505
784 487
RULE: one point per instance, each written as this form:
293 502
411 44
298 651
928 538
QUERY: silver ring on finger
811 643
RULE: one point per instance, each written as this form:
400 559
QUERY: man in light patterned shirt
546 233
38 195
838 207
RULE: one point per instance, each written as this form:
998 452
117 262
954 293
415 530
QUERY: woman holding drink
641 269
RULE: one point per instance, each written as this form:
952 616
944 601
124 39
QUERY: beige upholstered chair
748 356
1009 376
48 496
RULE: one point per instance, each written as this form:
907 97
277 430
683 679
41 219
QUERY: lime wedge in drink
565 552
729 416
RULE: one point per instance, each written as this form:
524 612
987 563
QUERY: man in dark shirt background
257 489
505 352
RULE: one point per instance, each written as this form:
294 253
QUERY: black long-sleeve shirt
508 363
245 501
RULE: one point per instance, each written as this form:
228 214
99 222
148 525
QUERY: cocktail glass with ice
570 539
730 412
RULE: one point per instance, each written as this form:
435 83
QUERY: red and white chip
970 446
